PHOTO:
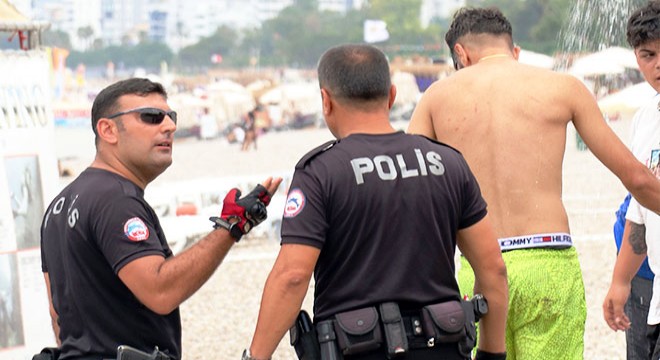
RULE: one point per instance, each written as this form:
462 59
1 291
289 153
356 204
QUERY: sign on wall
28 181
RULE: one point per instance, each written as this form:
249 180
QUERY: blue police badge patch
295 202
136 230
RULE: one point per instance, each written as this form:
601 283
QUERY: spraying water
594 26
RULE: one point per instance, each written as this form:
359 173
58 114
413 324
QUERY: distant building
178 23
78 18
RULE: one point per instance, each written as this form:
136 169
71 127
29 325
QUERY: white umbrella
612 60
407 91
627 100
536 59
590 67
304 97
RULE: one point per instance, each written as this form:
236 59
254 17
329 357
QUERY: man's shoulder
438 142
101 183
315 152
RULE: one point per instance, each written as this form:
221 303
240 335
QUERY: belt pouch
395 332
328 341
445 322
358 331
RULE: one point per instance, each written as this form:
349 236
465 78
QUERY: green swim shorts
547 307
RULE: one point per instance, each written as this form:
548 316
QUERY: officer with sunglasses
111 277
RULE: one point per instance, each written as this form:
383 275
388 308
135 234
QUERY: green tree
86 34
551 26
223 42
56 38
148 55
401 16
298 37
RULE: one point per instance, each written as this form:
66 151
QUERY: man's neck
365 124
118 169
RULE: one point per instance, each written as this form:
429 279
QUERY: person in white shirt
641 235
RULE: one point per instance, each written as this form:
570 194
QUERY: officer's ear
392 96
108 130
327 102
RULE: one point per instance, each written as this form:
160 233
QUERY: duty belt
551 240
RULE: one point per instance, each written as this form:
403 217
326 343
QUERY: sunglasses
148 115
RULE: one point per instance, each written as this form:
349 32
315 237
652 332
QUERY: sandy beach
219 319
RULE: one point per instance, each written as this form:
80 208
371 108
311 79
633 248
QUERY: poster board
28 181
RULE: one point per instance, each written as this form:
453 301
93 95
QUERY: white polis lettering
74 214
388 169
420 161
55 210
390 174
405 173
361 166
436 167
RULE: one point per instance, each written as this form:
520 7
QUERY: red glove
240 215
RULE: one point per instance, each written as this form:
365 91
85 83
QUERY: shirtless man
509 120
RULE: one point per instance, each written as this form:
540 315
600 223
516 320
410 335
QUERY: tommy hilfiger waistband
552 240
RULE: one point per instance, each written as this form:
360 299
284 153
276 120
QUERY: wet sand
219 319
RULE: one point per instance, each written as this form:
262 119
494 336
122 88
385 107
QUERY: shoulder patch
136 230
312 154
295 202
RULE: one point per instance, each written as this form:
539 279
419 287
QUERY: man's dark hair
644 24
358 73
477 21
105 103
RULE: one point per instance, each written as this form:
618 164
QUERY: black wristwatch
485 355
234 230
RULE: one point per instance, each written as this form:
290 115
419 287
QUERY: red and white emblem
136 230
295 202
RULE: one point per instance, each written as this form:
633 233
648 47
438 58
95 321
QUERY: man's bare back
509 120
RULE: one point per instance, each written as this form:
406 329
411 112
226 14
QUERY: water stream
594 25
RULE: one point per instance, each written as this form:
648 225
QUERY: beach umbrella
536 59
407 91
304 97
613 60
627 100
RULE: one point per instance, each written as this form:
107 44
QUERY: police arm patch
136 230
295 202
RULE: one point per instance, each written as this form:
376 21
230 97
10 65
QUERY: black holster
48 353
303 338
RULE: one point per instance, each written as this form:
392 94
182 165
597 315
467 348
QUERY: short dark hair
644 24
358 73
105 103
475 21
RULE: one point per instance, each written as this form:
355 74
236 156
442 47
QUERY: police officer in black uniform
111 277
376 216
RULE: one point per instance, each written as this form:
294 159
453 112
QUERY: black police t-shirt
384 210
95 226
